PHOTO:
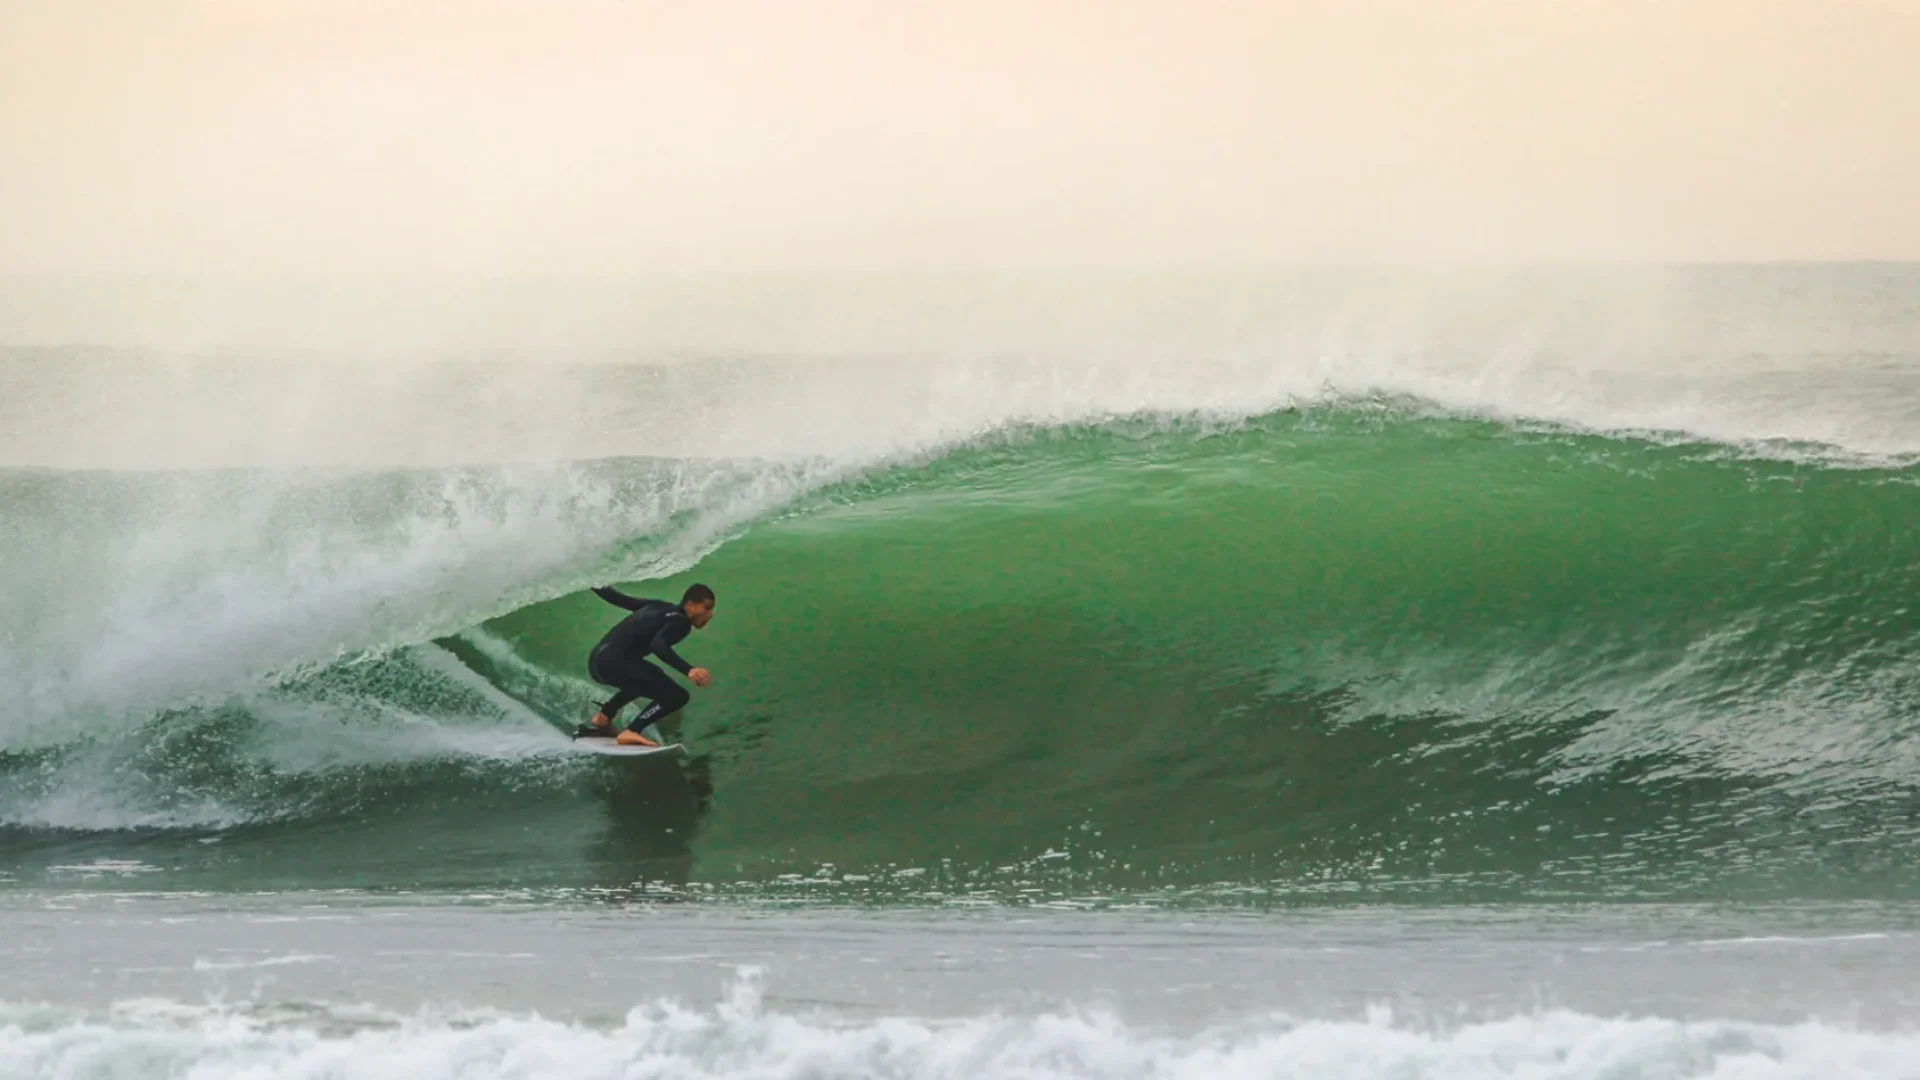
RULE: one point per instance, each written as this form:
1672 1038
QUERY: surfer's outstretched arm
619 599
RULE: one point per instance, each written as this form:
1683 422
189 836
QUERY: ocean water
1277 685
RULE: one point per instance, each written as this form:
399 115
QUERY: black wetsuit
620 660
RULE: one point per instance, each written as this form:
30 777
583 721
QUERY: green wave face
1333 652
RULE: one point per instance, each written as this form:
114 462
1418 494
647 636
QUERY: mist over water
157 373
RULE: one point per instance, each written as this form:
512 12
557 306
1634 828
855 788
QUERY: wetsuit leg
626 695
607 671
668 698
635 678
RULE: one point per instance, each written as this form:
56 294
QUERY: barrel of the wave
1399 653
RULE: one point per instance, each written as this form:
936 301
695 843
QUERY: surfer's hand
700 676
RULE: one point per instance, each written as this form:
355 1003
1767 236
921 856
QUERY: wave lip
740 1038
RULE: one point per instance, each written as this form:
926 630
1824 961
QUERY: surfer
620 660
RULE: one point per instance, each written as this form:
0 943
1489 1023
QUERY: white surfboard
603 745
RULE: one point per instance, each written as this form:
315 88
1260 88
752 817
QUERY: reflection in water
653 807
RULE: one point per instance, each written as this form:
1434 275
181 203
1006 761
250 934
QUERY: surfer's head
697 602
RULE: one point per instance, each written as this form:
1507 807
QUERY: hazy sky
608 136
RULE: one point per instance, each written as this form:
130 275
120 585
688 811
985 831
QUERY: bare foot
634 738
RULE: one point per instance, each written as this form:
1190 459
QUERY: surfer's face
700 614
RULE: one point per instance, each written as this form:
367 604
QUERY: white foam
105 867
203 964
426 707
141 593
738 1038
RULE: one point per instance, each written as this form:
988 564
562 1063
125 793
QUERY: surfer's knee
674 698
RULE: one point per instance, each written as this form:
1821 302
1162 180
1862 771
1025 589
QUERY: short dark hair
696 594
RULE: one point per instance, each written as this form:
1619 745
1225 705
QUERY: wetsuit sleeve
672 632
618 599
